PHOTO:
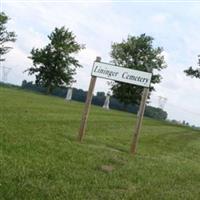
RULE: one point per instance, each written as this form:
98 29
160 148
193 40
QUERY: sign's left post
87 105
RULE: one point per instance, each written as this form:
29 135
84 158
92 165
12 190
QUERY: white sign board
122 74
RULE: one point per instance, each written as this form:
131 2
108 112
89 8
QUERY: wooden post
87 105
139 120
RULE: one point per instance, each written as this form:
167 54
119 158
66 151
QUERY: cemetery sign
121 74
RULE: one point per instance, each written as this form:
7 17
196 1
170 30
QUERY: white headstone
69 94
107 102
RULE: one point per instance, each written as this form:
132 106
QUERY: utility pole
4 73
161 102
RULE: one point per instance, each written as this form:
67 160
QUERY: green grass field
41 159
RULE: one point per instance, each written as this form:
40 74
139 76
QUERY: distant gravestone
107 102
69 94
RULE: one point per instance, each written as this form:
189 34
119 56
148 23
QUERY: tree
53 65
136 53
101 94
5 36
193 72
156 113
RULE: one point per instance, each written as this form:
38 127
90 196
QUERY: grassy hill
41 159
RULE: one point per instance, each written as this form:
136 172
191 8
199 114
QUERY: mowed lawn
40 157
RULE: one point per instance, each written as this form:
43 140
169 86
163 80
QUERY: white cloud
87 56
159 19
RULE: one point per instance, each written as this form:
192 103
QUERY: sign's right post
139 120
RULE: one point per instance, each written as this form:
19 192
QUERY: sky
174 25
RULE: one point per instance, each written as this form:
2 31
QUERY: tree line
98 99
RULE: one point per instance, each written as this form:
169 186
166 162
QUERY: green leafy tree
5 36
156 113
194 73
54 64
136 53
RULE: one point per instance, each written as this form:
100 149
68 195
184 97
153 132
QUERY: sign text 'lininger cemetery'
108 71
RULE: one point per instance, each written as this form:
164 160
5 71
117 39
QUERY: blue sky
174 26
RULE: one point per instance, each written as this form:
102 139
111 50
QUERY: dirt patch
107 168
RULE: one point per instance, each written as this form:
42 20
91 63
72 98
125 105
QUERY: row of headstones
105 105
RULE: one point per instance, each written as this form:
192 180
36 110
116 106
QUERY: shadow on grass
97 143
178 142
